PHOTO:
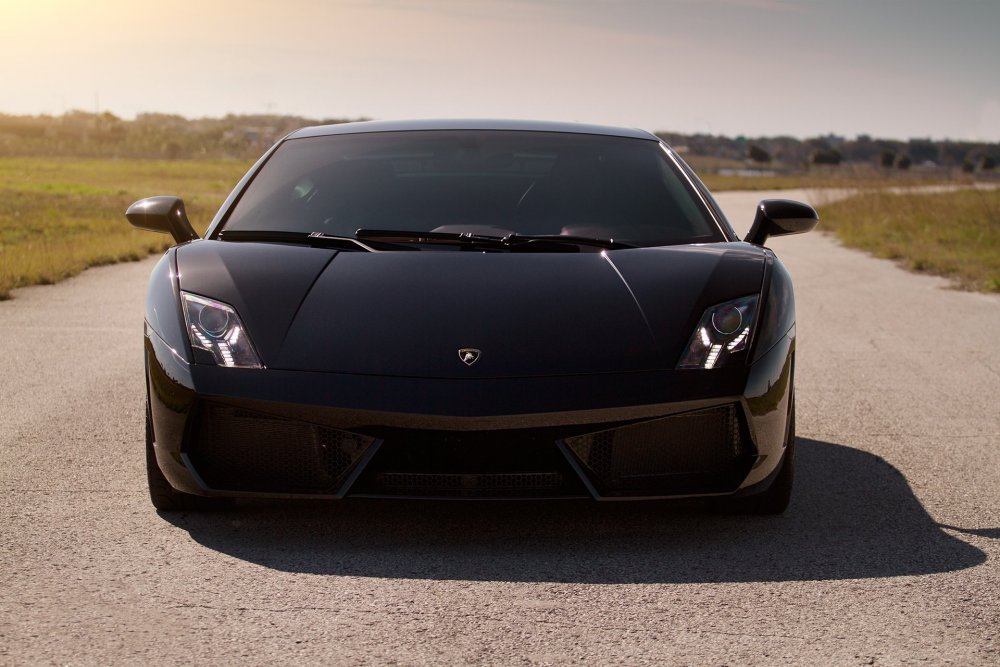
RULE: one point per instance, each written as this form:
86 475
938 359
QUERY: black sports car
470 309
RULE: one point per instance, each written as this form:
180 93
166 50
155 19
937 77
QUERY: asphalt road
888 554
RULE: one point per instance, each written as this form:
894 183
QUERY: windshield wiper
420 238
610 244
313 239
509 242
405 240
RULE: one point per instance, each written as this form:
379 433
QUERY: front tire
776 498
164 496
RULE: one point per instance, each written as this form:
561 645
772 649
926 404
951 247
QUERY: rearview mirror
778 217
162 214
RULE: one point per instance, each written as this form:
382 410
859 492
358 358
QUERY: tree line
168 136
149 135
831 150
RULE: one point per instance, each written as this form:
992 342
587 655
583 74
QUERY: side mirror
162 214
777 217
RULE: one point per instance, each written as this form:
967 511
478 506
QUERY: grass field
954 234
805 181
59 216
853 177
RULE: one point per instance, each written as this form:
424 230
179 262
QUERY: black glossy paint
409 312
164 214
469 124
265 282
445 394
570 342
778 217
778 316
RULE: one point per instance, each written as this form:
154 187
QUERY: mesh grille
471 485
469 464
661 455
235 449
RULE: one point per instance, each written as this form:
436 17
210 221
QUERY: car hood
527 314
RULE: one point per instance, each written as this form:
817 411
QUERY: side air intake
704 450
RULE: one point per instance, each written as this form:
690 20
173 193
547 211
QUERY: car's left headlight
723 330
215 328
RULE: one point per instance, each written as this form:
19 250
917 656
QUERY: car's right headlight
724 330
215 328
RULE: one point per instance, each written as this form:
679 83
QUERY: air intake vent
234 449
469 464
471 485
704 450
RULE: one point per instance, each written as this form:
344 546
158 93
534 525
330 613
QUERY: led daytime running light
215 327
711 345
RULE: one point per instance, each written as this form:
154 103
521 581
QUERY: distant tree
819 144
903 162
157 135
826 156
860 149
922 150
952 153
173 150
788 150
968 166
758 154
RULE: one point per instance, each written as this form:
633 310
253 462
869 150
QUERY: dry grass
851 176
796 181
953 234
59 216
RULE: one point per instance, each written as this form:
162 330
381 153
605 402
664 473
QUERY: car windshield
484 183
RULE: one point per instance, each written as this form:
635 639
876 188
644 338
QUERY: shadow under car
852 516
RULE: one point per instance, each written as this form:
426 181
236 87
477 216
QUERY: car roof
468 124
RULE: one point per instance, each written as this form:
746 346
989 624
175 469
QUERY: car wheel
165 497
776 498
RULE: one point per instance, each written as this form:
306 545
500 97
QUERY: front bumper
658 434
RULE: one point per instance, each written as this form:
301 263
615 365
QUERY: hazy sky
889 68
